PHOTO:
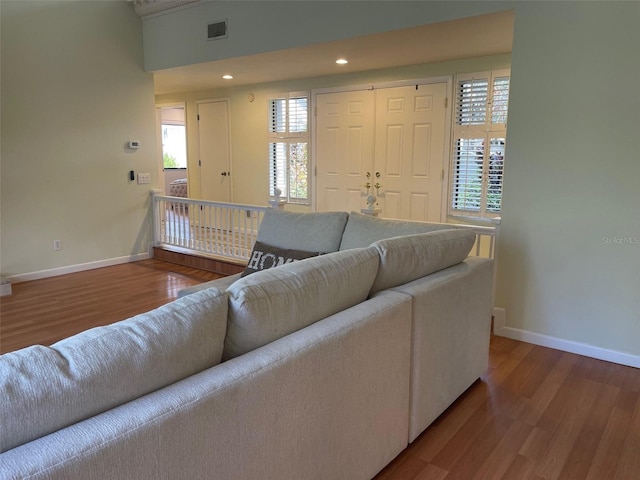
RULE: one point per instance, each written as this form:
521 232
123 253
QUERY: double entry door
387 141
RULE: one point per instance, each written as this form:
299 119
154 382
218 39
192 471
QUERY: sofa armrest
450 340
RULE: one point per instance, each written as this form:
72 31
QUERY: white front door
396 134
344 149
215 152
409 151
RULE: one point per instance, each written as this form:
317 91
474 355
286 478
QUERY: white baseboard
614 356
54 272
499 319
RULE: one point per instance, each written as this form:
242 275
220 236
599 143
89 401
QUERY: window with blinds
288 147
479 141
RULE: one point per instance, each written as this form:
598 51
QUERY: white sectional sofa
324 368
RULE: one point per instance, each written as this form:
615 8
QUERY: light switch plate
144 178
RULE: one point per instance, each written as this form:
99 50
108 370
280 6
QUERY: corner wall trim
570 346
54 272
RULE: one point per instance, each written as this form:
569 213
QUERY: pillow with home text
266 256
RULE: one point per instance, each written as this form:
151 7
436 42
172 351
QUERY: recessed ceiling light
227 77
342 61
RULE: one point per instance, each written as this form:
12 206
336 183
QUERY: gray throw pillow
266 256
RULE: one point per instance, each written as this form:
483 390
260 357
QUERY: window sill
476 220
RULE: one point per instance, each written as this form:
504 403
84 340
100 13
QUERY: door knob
226 174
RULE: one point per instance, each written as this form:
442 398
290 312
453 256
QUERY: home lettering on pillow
266 256
264 260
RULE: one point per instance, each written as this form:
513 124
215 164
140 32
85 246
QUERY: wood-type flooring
47 310
536 414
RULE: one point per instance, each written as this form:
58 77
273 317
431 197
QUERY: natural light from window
174 146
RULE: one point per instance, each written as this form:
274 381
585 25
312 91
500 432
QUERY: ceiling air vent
217 30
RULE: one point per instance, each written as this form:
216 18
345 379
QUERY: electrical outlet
57 245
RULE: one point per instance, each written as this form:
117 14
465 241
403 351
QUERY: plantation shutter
479 141
468 168
288 147
278 168
472 97
500 100
298 117
277 115
494 175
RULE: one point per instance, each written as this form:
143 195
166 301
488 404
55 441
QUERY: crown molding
144 8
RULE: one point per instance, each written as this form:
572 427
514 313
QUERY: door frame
227 100
448 79
160 162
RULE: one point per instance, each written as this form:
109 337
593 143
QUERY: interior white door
409 151
344 149
215 152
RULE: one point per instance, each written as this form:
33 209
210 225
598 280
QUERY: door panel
418 206
397 132
392 203
215 152
344 148
409 150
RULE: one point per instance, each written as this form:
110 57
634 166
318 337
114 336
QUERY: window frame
281 135
494 107
173 123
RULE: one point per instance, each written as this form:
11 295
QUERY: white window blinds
288 147
471 101
479 142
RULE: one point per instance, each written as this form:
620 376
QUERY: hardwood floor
45 311
536 414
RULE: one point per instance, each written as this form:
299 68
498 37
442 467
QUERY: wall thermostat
133 145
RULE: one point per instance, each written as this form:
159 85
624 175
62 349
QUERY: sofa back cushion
273 303
362 230
44 389
310 232
404 259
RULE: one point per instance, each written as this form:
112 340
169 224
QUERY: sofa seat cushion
407 258
310 232
44 389
362 230
276 302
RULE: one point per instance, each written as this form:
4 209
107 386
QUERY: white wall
73 93
180 38
573 164
572 179
250 161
